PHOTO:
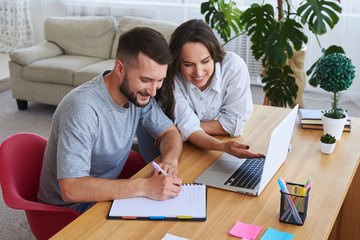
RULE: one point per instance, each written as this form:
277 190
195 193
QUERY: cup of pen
298 205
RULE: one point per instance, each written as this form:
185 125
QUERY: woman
207 92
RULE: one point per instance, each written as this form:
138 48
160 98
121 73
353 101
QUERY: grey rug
37 119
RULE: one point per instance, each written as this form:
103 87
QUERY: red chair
21 157
133 164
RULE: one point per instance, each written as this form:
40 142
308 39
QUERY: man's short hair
146 40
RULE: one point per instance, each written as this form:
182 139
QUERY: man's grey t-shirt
92 136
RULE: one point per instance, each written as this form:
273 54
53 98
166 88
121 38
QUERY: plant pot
297 65
335 127
327 148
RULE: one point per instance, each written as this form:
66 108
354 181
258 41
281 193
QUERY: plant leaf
316 13
279 40
334 49
222 17
280 86
258 21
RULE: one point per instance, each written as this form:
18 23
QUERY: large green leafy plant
334 73
274 39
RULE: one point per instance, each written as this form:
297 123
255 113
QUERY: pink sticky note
246 231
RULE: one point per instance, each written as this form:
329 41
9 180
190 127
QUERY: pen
290 202
157 167
305 189
308 181
302 194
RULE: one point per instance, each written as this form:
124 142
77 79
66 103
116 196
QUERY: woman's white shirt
227 99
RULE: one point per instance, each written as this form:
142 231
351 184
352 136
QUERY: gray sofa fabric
76 50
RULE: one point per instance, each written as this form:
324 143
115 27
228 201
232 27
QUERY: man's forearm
91 189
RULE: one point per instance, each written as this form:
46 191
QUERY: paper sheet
169 236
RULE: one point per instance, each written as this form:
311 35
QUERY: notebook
189 205
221 174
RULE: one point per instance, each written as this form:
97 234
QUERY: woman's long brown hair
194 30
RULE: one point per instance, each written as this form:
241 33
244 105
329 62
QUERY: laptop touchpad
224 166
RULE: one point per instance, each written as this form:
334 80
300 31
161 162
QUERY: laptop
250 176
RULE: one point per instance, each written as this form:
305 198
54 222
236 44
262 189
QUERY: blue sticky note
272 234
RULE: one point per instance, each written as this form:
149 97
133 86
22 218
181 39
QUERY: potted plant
327 143
334 73
274 40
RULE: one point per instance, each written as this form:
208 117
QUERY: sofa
75 50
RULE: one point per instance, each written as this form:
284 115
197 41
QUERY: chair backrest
21 157
134 163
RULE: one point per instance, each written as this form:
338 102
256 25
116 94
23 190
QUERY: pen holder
300 204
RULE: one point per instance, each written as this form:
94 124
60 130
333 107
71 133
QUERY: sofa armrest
43 50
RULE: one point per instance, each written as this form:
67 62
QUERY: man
94 125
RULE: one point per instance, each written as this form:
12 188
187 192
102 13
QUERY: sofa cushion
43 50
84 36
89 72
58 69
127 23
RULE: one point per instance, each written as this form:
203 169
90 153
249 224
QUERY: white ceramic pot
327 148
334 127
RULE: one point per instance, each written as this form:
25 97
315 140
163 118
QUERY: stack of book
310 118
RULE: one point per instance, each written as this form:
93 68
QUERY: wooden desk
332 175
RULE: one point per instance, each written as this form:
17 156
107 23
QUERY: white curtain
15 25
88 7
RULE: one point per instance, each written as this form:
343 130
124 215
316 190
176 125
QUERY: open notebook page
191 201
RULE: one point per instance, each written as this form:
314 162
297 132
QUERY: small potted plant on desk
334 73
327 143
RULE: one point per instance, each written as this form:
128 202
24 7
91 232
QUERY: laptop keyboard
248 174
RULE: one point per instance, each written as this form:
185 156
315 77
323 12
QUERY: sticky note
243 230
272 234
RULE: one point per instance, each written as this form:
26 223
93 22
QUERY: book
320 127
311 119
189 205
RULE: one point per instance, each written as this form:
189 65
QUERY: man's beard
131 96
